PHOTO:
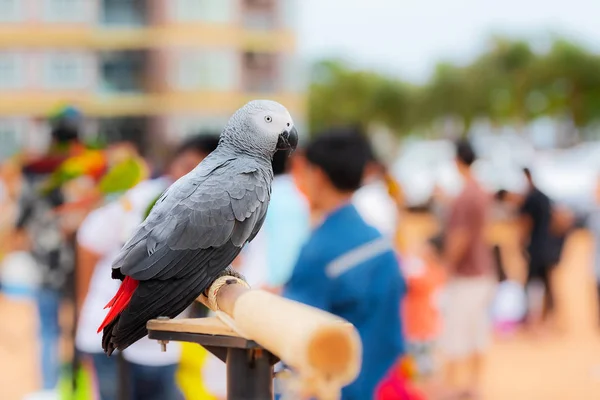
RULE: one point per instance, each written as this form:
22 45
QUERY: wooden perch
302 336
324 350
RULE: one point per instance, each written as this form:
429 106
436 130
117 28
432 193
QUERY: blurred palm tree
341 95
509 83
569 77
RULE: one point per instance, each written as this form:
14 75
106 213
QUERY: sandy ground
18 348
559 367
567 364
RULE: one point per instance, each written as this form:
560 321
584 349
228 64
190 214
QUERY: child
510 302
424 277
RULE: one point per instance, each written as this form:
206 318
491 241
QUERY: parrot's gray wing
192 234
229 205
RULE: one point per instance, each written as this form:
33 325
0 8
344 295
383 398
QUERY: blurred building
164 67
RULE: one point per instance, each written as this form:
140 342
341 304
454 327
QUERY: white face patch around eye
273 122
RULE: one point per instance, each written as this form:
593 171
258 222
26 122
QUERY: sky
407 37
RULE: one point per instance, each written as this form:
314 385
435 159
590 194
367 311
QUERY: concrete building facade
152 70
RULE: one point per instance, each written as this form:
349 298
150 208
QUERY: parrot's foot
229 271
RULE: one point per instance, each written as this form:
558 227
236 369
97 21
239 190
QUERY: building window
220 11
184 126
260 72
67 10
11 10
124 12
207 70
11 132
294 74
122 72
259 14
130 129
70 71
12 67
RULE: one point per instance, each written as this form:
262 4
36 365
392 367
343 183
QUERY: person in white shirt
150 372
374 202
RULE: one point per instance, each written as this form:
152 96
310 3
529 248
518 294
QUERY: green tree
505 79
341 95
569 76
509 83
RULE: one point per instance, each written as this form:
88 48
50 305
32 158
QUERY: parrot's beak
288 140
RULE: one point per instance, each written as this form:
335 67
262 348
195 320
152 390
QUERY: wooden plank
207 326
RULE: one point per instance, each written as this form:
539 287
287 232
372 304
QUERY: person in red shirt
471 285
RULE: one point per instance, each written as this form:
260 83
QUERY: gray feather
228 204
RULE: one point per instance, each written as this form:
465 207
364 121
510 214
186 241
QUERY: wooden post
249 374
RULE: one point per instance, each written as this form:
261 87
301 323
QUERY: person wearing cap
46 241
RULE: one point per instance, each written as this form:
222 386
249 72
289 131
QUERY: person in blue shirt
288 211
348 267
268 260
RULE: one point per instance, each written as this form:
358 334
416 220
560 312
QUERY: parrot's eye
268 118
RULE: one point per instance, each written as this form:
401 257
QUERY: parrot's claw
230 271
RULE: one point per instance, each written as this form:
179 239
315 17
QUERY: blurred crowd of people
332 239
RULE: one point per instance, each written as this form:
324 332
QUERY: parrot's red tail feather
120 301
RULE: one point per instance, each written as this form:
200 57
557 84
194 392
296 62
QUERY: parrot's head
261 126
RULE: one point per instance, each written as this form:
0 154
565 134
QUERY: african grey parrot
199 225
